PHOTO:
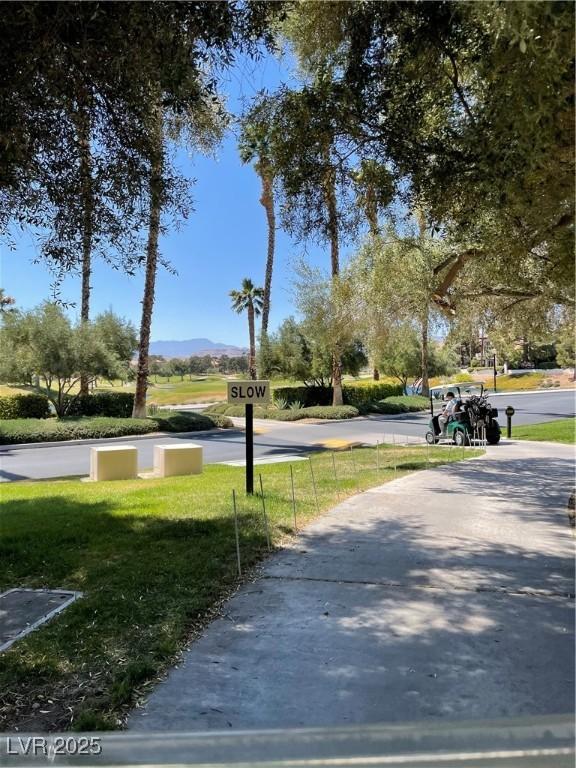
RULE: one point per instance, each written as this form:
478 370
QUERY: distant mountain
197 347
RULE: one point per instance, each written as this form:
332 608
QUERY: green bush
289 414
97 427
409 403
118 404
49 430
188 421
387 408
330 412
306 395
24 407
360 395
463 378
217 408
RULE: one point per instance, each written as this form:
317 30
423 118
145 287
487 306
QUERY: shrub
306 395
409 403
362 394
188 421
357 395
48 430
85 427
330 412
217 408
24 407
118 404
462 378
291 414
388 408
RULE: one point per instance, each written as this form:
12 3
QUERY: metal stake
237 533
335 475
314 484
377 456
394 452
354 469
293 497
264 513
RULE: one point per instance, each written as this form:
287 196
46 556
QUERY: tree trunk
424 365
87 195
333 233
267 200
421 218
156 170
252 334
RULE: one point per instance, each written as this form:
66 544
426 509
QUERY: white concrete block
114 462
179 459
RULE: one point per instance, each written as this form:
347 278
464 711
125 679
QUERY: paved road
272 440
446 595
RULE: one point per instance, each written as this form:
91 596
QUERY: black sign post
509 413
248 393
495 372
249 413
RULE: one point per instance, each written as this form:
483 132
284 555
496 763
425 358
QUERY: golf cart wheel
493 439
431 438
461 438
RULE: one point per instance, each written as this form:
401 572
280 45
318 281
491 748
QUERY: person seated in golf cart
450 407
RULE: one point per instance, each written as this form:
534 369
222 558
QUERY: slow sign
510 411
248 392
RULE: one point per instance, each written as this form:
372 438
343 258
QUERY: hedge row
53 430
289 414
410 403
188 421
358 395
24 407
118 404
87 428
33 406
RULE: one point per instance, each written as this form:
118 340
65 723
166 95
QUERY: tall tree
471 106
254 148
313 177
249 299
155 197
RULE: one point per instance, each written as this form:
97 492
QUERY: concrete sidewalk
446 594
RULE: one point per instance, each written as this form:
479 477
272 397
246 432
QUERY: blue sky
222 241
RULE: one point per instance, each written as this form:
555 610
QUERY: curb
514 393
97 441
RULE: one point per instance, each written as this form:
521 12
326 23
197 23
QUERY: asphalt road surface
272 439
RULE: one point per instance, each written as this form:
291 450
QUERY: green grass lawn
154 560
559 431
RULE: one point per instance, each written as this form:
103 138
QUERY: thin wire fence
287 499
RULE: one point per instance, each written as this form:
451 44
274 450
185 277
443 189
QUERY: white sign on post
248 392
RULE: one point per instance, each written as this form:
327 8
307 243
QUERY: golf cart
473 419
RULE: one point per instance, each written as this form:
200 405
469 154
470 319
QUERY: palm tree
251 300
254 148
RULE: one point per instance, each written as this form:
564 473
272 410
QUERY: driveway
444 595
